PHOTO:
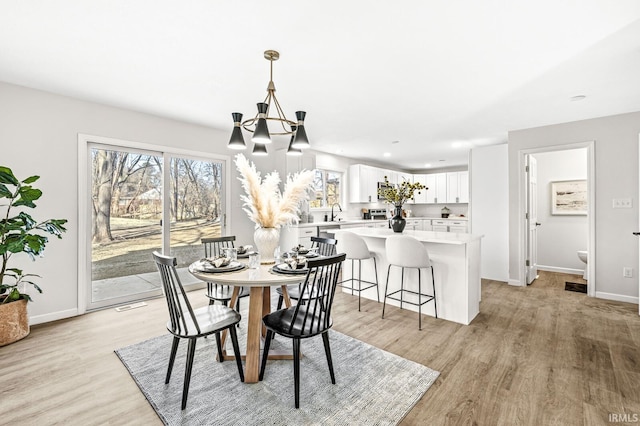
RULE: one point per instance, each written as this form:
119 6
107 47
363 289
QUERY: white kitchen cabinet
426 225
457 226
449 225
440 226
363 184
414 224
440 189
458 187
392 176
420 198
401 177
291 236
436 192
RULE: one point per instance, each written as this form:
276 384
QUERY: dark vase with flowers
398 222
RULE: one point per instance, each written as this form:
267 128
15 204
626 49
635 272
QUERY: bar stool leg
435 303
401 287
419 300
386 290
375 268
359 281
352 276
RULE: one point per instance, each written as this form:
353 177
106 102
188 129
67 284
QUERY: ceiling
435 77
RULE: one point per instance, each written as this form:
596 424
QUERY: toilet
582 255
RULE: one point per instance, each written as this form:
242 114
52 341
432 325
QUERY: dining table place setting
214 266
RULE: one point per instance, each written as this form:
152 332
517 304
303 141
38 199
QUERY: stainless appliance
378 214
382 185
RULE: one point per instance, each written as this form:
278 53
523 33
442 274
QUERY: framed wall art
569 197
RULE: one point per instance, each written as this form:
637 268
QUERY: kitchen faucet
332 215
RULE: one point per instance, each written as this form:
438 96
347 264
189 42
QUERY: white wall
39 135
560 236
616 176
489 208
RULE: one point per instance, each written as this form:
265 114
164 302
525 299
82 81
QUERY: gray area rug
373 387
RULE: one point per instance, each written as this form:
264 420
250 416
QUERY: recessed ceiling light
428 165
387 154
577 98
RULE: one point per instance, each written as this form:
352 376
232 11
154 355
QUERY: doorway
538 223
139 199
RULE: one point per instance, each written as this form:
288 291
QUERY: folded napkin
218 261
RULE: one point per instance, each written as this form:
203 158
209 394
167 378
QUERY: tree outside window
327 187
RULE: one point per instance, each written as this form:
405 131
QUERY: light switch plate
622 203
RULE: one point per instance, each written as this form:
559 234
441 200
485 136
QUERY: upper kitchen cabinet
458 187
438 182
420 198
401 177
436 191
363 183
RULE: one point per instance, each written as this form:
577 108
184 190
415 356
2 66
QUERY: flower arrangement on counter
265 205
400 193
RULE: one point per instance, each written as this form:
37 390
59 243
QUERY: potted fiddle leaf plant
19 233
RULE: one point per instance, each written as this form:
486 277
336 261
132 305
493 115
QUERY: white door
531 217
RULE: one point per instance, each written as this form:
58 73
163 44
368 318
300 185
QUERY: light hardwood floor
534 356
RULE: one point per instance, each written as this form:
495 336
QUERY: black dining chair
187 323
214 246
324 247
307 320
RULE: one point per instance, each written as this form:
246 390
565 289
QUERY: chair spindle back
321 280
180 311
214 246
324 246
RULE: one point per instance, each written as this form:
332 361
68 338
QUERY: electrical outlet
622 203
627 272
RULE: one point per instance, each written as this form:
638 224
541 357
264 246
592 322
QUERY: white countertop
423 236
358 221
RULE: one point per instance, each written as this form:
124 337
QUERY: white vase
266 239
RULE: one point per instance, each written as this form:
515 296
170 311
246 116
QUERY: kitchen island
456 266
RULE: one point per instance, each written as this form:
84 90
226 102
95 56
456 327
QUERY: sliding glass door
196 207
144 201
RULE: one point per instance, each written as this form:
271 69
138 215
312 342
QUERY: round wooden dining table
259 281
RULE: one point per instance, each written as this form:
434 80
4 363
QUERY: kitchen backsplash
354 211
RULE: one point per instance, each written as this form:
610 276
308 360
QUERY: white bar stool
356 249
404 251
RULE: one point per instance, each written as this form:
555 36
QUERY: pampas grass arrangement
265 205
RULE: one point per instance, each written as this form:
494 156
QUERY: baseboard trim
53 316
616 297
561 270
515 283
